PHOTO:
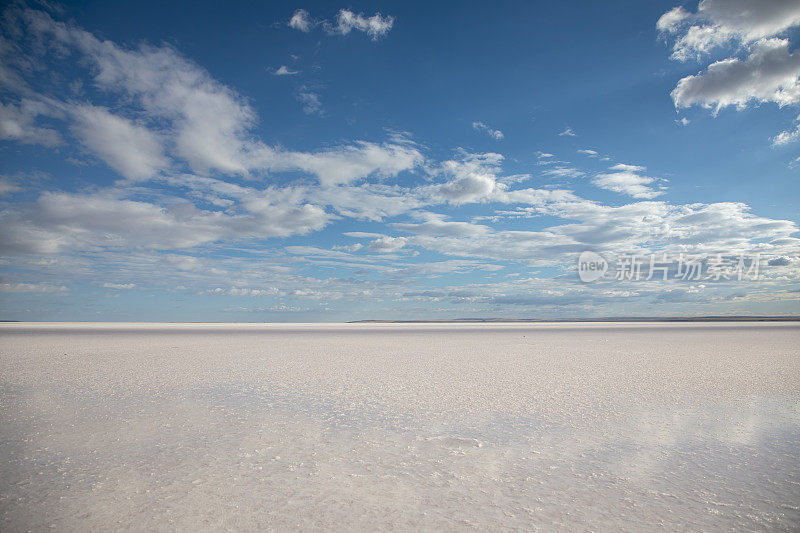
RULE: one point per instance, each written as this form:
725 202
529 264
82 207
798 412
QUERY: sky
322 162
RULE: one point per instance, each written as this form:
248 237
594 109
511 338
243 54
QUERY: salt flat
568 426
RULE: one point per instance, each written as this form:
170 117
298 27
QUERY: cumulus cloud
568 132
719 22
130 149
468 187
202 176
761 66
387 244
495 134
770 73
471 179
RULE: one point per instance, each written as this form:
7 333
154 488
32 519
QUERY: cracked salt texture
441 427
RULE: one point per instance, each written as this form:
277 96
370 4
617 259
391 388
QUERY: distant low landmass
601 319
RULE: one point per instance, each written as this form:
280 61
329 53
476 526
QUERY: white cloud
672 19
285 71
642 226
434 224
789 136
472 179
568 132
752 19
495 134
246 291
119 286
301 20
387 244
32 287
208 121
63 221
590 153
376 26
367 201
627 180
17 123
718 22
202 205
362 234
629 183
130 149
197 119
310 100
469 187
346 164
564 172
629 168
770 73
8 186
761 67
349 248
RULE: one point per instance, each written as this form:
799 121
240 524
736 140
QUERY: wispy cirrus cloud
18 287
493 133
311 101
346 21
283 70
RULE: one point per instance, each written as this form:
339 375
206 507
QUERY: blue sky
325 162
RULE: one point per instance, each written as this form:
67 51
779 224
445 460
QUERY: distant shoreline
449 321
602 319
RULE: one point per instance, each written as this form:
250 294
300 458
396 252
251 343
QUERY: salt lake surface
573 427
